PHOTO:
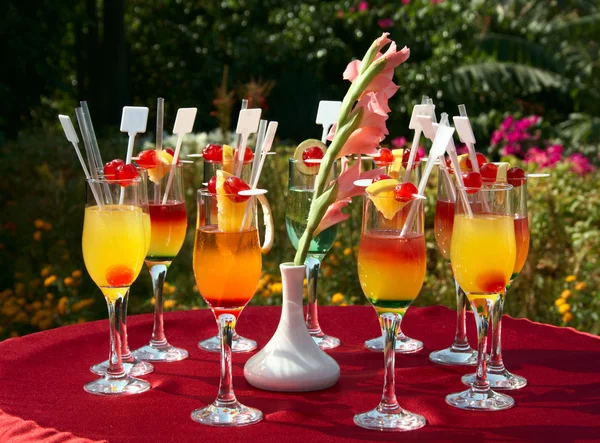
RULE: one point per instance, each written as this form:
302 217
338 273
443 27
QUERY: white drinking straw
71 135
92 136
87 142
260 138
160 118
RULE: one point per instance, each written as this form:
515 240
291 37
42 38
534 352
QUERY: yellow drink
483 252
114 245
227 267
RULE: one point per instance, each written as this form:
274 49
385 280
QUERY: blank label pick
134 119
184 122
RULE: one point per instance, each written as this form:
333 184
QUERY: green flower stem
348 122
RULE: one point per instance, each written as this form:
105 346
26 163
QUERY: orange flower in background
61 306
570 278
76 273
49 280
580 286
37 235
68 281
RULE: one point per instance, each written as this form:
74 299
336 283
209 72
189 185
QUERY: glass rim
495 187
106 181
203 192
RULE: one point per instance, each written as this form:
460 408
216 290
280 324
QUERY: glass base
502 380
397 420
476 400
454 357
117 386
134 368
233 414
325 341
165 354
239 344
404 344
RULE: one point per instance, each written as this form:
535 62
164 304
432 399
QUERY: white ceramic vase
291 361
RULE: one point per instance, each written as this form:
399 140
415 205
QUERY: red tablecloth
42 378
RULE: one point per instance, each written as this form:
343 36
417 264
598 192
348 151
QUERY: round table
42 377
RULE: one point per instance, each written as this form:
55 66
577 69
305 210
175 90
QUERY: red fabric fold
42 377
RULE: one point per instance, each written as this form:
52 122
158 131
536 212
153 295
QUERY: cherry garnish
515 176
119 275
147 159
404 192
381 177
489 171
110 168
126 174
491 282
313 153
472 181
384 157
406 155
481 160
212 185
213 153
232 186
449 164
248 154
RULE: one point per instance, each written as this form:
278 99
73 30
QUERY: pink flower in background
436 2
544 158
340 14
363 6
398 142
496 137
580 164
385 23
462 149
405 2
507 123
511 150
421 151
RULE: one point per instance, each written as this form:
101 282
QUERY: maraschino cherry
232 186
472 181
404 192
313 153
515 176
384 157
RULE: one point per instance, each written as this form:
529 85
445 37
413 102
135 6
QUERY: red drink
443 224
522 240
168 224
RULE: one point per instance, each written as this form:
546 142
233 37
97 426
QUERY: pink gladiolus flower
385 23
363 6
333 215
399 142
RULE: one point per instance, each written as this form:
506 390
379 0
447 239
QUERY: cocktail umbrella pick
184 124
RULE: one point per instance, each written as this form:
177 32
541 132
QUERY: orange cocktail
227 267
522 242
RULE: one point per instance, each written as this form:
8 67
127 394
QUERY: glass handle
312 275
268 222
496 362
158 272
115 363
226 327
482 308
390 325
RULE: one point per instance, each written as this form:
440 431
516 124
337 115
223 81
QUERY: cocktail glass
404 344
227 266
114 245
131 364
391 270
168 223
459 353
483 254
497 374
301 183
239 344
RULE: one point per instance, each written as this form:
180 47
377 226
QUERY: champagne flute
227 267
483 254
168 224
459 353
114 243
396 169
213 163
391 270
497 374
301 183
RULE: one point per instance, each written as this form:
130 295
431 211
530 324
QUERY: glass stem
115 363
496 364
482 308
158 272
126 356
226 395
390 325
460 339
312 274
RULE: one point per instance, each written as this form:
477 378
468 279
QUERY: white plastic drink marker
184 124
427 126
443 136
327 114
247 124
71 135
465 134
423 109
133 121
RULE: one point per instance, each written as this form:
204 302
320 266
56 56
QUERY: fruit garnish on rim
489 172
382 194
307 156
231 207
212 153
405 192
157 163
381 177
384 157
117 170
516 176
472 181
405 157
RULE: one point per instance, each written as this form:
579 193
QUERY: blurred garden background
528 72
